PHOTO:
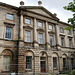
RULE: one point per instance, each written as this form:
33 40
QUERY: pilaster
35 34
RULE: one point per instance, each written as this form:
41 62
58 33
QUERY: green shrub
72 72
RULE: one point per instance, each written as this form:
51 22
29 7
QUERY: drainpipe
18 38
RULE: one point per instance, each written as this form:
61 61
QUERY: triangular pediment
41 11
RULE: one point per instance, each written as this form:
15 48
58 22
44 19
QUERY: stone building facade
33 40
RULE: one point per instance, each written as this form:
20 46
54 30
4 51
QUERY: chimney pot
21 3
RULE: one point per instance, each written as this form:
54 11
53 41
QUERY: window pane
70 43
28 62
50 27
27 36
9 16
72 62
6 63
27 21
69 32
64 62
40 24
8 34
62 41
55 62
61 29
51 40
40 38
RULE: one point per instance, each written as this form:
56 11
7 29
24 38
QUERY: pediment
41 11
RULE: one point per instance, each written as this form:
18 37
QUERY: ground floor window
28 62
54 62
6 63
72 62
64 62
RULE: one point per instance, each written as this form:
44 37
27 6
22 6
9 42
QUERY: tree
71 7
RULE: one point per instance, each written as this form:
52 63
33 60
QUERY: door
43 66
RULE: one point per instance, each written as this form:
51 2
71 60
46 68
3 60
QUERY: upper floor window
8 33
27 21
40 38
40 24
27 36
62 41
51 40
28 62
50 27
70 43
54 62
69 32
61 30
9 16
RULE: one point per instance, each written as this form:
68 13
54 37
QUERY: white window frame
40 39
62 41
27 21
6 63
7 32
40 24
50 27
51 40
9 16
27 37
28 62
61 29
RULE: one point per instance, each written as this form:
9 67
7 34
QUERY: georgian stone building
33 40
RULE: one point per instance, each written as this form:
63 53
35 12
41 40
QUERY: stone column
46 35
69 66
21 27
60 64
37 65
35 34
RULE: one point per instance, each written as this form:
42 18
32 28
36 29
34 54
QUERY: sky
54 6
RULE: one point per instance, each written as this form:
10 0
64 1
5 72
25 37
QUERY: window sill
55 68
7 39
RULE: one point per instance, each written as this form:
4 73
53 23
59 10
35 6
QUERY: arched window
29 61
7 55
55 60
